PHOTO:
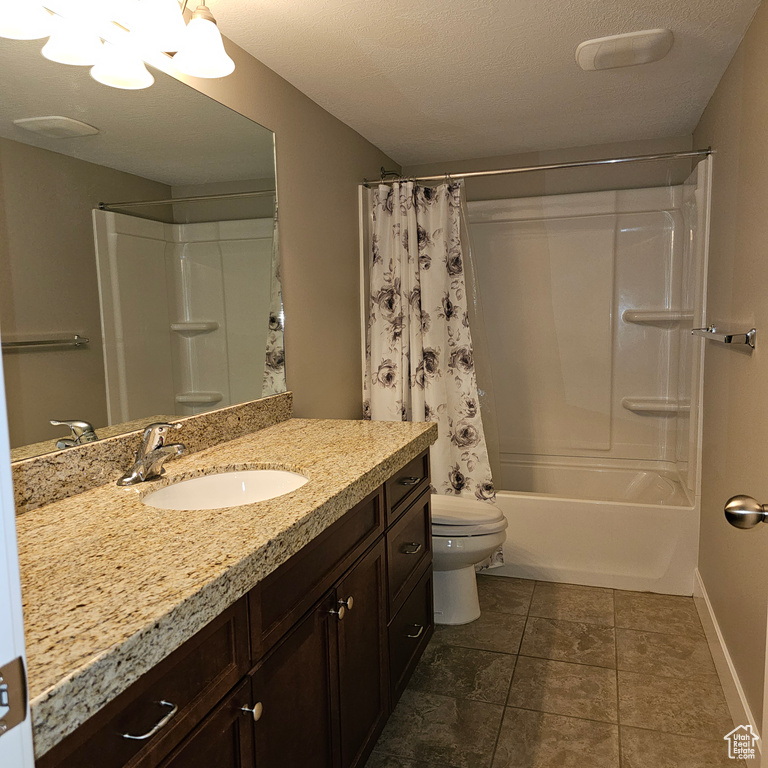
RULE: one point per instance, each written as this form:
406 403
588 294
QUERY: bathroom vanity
282 633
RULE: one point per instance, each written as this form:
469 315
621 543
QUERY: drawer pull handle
419 633
256 712
410 480
348 603
340 613
161 724
411 548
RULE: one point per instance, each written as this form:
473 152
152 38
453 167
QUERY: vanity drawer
406 484
409 547
188 684
409 633
283 597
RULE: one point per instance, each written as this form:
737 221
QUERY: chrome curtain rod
76 340
172 200
550 167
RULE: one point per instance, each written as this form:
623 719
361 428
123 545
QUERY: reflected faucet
152 454
82 432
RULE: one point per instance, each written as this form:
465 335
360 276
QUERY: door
16 742
296 691
363 674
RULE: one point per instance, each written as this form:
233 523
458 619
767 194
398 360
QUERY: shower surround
589 300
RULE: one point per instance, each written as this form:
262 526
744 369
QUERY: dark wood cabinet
362 647
295 686
224 738
323 690
300 673
142 725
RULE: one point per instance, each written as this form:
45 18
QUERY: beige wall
594 179
733 563
48 283
320 162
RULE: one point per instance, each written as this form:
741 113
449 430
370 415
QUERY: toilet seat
458 516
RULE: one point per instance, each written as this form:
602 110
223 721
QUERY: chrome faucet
152 453
82 432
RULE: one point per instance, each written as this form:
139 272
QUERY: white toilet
464 533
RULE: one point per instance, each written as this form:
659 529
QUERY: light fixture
159 24
116 37
24 20
202 51
119 67
70 43
625 50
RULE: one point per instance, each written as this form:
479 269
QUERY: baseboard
729 679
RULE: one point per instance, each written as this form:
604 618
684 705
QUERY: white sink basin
226 489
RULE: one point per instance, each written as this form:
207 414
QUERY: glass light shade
70 44
120 68
202 52
24 20
159 24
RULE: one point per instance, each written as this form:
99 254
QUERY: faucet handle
155 436
82 431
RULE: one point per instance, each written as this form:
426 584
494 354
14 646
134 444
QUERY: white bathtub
638 531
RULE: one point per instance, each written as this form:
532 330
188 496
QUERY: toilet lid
482 529
461 511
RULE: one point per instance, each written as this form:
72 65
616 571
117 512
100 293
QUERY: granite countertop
112 586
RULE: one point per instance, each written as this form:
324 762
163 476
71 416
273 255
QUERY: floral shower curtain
274 363
419 361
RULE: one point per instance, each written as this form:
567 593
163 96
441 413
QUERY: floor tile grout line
509 687
560 714
616 626
566 661
618 698
713 740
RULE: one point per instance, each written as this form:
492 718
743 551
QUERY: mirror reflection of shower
188 313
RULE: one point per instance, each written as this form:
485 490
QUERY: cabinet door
363 689
296 687
224 739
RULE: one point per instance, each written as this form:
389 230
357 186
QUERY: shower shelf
655 316
199 398
191 328
655 405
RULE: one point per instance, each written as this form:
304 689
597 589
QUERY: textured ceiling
169 133
430 80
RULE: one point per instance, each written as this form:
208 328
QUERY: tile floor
562 676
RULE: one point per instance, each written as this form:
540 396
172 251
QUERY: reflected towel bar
64 341
713 334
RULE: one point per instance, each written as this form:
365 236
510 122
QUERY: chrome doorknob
744 512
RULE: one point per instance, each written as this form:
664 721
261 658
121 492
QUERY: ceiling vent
56 127
625 50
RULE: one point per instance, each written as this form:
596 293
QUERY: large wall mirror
116 307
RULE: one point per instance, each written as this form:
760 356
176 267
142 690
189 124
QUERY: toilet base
455 593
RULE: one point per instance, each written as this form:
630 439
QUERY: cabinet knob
411 548
409 480
256 712
348 603
340 613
